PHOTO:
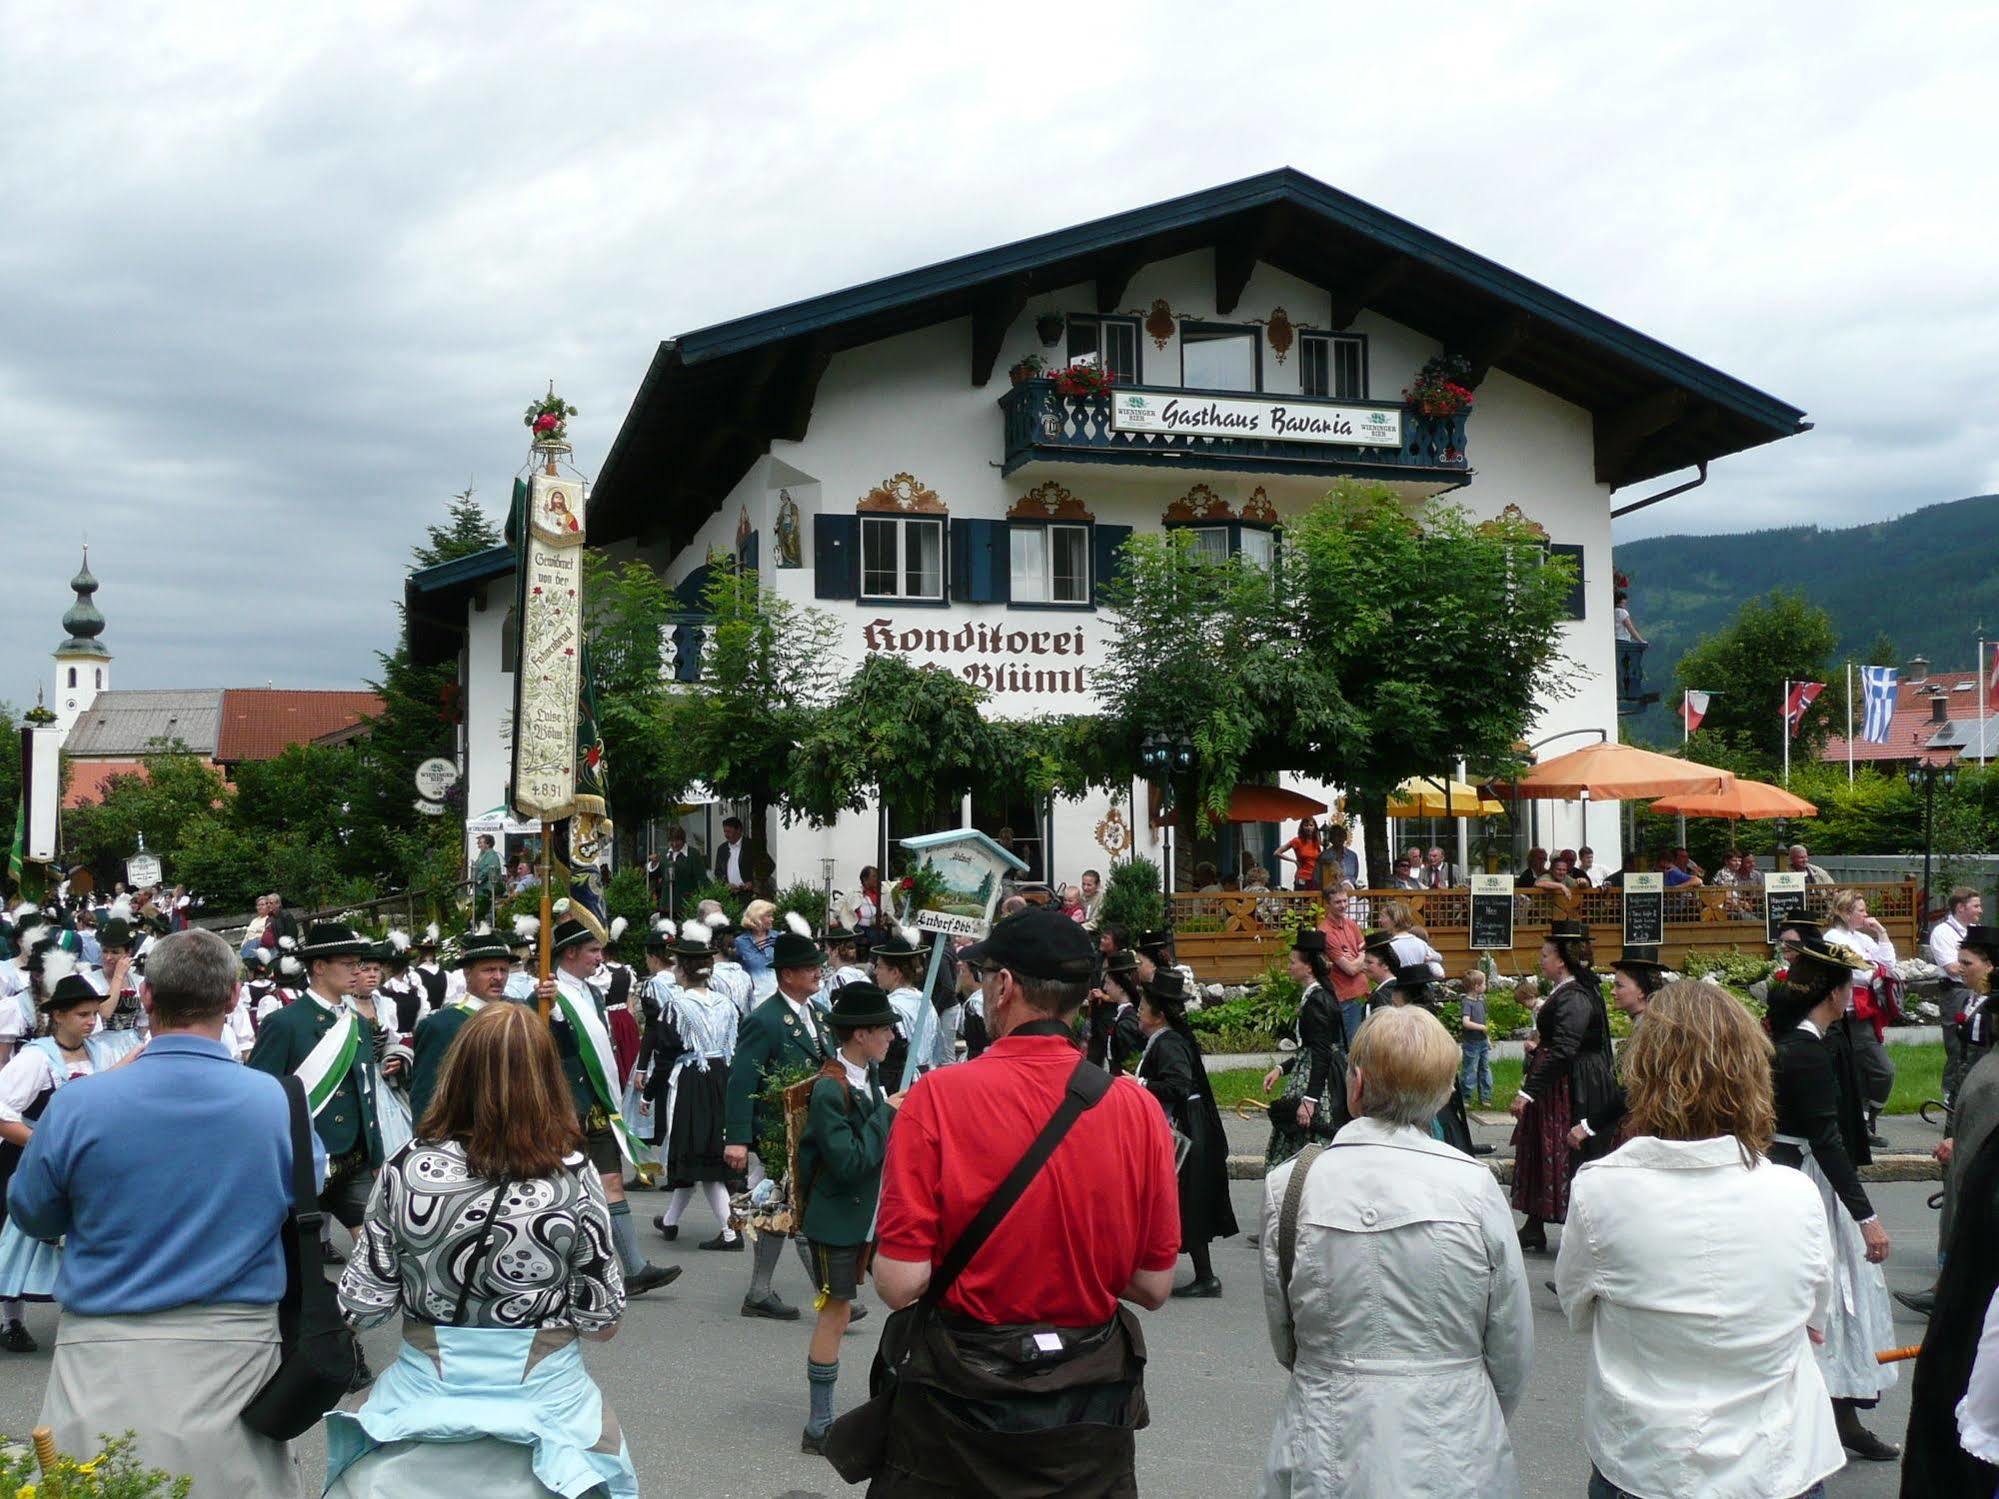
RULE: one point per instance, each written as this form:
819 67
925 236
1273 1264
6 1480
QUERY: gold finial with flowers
548 420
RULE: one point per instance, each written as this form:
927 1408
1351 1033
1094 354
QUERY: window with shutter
835 556
1577 605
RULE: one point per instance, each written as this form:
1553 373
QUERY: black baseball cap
1037 943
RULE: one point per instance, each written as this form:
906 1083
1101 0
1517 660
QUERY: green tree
467 530
627 614
1386 644
1882 652
10 766
177 788
1777 638
768 667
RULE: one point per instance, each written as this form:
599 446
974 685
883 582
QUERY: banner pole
1784 717
547 874
1849 723
1686 735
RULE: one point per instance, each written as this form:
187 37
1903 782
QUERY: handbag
320 1356
857 1443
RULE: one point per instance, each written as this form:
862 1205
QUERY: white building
870 453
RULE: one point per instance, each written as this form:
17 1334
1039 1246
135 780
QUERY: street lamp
1161 758
1925 779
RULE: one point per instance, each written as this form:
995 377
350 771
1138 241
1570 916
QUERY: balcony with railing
1245 432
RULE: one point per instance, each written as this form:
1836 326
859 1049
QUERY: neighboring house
873 453
1935 721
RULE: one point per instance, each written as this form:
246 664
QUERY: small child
1475 1077
840 1158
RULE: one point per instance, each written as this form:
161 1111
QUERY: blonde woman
753 949
1698 1382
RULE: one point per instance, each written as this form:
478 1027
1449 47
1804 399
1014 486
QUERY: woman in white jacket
1702 1273
1404 1317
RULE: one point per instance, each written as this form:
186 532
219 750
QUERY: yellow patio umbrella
1440 796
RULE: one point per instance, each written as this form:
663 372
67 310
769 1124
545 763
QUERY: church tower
83 664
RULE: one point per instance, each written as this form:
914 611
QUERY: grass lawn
1918 1076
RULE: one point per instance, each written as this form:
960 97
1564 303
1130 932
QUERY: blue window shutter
687 642
1577 594
1107 561
836 556
981 562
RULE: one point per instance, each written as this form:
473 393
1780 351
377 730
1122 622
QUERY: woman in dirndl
687 1080
1822 1131
1569 1075
1172 1070
1314 1105
68 1051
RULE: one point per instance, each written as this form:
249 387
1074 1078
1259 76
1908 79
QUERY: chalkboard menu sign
1491 912
1783 897
1644 910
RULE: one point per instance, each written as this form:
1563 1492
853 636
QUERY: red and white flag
1693 708
1992 681
1802 694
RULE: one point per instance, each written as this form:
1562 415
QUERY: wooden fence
1229 937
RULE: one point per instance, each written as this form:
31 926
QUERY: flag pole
1981 696
1686 734
1849 723
1784 711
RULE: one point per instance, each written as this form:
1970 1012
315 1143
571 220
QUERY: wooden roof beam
992 315
1237 250
1114 272
790 407
1493 343
1621 432
1371 288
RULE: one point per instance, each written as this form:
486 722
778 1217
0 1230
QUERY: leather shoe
651 1278
1483 1149
1922 1303
769 1306
1866 1446
807 1442
667 1231
363 1375
1207 1288
719 1242
1877 1142
857 1312
15 1338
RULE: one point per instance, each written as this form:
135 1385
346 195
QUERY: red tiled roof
1912 727
261 723
88 778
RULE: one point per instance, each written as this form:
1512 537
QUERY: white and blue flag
1878 688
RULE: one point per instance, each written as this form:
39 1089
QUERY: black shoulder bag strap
1087 1085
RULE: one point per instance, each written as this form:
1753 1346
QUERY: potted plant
1083 380
1049 326
1441 387
1033 367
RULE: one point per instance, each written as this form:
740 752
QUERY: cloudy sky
280 279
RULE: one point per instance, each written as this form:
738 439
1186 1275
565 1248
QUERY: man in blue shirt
169 1177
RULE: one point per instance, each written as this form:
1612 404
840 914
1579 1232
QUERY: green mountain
1926 580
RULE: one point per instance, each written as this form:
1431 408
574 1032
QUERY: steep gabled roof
715 398
126 723
434 600
259 723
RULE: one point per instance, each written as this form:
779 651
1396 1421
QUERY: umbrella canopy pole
1464 834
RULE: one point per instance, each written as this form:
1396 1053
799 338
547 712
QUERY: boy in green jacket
839 1177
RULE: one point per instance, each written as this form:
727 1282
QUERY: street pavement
712 1403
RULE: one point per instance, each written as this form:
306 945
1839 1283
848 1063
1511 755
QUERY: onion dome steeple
82 619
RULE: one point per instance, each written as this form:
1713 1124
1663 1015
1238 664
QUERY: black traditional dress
1318 1071
1568 1078
1171 1069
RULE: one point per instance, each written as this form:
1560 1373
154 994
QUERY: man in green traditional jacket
840 1159
486 963
783 1034
330 1047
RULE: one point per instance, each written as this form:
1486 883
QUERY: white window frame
1331 350
900 526
1040 581
1126 329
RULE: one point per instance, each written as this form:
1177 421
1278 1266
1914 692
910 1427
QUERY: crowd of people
479 1133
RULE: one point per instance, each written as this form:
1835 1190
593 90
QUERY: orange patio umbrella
1261 804
1619 772
1754 801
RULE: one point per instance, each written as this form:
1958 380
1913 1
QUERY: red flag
1693 708
1801 697
1992 682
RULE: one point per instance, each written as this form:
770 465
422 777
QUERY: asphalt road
712 1403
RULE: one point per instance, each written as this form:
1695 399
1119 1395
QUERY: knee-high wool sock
718 1199
764 1260
821 1378
626 1238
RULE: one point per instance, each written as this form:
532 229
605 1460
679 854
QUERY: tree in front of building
627 614
1777 638
1384 642
768 667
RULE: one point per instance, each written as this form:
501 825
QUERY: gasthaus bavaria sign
1182 415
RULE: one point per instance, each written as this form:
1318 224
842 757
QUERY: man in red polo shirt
1344 943
1100 1223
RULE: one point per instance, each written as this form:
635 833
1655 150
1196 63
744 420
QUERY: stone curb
1886 1168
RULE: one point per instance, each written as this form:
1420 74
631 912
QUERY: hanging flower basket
1441 388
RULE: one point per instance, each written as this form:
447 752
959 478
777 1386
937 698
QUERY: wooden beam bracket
991 317
1356 298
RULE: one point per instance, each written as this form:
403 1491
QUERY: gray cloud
278 282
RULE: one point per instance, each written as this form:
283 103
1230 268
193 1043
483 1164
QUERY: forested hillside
1925 581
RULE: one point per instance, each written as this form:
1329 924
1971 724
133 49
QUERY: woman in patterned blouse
489 1234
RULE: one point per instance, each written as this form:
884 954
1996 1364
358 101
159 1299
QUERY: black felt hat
1153 942
789 950
1567 930
482 946
860 1004
1121 961
114 931
568 933
71 990
900 945
1309 940
1985 939
1382 945
1641 961
329 939
1810 933
1413 978
1168 986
